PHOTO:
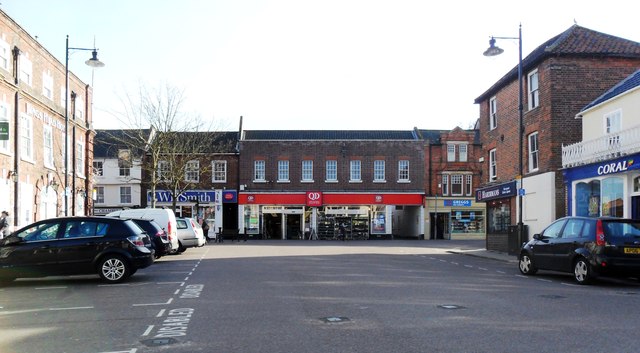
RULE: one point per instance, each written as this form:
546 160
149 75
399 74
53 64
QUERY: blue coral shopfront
608 188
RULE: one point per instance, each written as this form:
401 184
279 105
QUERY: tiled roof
216 141
107 142
287 135
575 41
623 86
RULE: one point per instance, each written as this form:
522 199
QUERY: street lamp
493 50
92 62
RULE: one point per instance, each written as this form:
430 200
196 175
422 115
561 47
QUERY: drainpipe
16 138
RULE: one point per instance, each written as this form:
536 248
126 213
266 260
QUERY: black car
158 236
111 247
586 247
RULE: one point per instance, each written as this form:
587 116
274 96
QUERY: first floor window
80 157
163 170
26 137
307 170
125 194
533 152
259 170
469 187
332 170
378 170
192 171
219 171
451 152
493 165
355 170
99 194
403 170
456 184
445 185
124 163
283 170
48 146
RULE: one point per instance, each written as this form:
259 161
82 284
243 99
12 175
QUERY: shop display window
498 216
467 221
252 219
600 198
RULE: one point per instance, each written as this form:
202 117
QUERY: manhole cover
334 319
155 342
552 296
451 307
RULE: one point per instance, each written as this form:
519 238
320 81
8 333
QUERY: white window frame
164 168
219 171
5 54
451 152
355 171
283 171
534 143
192 171
457 184
99 194
47 85
468 184
403 171
259 170
5 146
307 170
379 171
26 138
124 195
79 107
463 150
26 69
533 89
493 165
445 185
47 146
98 168
124 163
80 156
331 171
612 126
493 113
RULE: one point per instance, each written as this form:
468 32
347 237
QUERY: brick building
452 174
560 77
294 183
33 97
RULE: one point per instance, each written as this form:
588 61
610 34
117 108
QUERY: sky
302 64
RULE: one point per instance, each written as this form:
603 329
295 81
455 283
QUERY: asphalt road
278 296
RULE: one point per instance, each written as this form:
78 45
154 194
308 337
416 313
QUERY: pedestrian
205 229
343 231
5 224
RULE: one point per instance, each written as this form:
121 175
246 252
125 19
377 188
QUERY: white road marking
71 308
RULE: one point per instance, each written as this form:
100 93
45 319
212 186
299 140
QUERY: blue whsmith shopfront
609 188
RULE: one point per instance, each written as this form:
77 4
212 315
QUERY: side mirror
10 240
538 236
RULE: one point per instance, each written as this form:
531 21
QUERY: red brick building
559 78
297 183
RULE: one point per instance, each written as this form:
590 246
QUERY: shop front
609 188
326 216
455 218
500 201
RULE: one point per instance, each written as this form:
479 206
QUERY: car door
545 248
32 249
80 242
565 247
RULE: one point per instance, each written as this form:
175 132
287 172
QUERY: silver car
189 234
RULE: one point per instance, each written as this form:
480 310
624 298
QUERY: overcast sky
301 64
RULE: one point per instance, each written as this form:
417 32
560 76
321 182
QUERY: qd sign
314 198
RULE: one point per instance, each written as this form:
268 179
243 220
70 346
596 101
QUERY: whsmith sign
200 196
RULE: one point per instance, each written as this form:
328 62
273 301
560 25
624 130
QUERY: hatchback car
113 248
159 238
190 234
586 247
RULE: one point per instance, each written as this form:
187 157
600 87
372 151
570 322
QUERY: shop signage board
314 198
613 166
497 192
201 196
4 130
458 203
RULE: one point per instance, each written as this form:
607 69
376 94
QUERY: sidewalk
475 248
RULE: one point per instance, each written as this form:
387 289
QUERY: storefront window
467 221
588 199
498 216
378 220
636 184
252 219
613 197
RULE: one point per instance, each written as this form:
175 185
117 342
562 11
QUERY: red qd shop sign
314 198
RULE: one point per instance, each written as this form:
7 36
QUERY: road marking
454 263
133 350
45 288
468 266
502 272
161 312
176 292
150 304
544 280
148 330
71 308
181 283
483 269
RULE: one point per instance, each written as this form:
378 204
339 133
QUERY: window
493 166
98 168
26 69
456 185
26 138
258 171
283 170
63 93
99 194
5 145
124 163
469 185
307 170
451 152
47 133
192 172
612 126
533 152
378 170
532 80
493 113
355 170
5 54
219 174
445 184
163 170
47 85
403 170
79 108
80 156
332 170
462 152
125 194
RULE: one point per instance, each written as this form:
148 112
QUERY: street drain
156 342
334 319
451 307
552 296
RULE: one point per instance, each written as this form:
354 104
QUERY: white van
164 217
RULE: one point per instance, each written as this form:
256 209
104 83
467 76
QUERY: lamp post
493 51
92 62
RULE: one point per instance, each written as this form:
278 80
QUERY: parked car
586 247
113 248
189 234
164 217
158 236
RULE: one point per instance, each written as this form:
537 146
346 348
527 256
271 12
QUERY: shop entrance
439 225
635 207
294 228
273 226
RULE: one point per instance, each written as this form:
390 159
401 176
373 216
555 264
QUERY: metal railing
603 148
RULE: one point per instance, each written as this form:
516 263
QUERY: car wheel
582 271
114 269
181 248
526 265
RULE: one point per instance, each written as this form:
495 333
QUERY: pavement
472 247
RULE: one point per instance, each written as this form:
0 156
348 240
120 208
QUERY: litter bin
515 239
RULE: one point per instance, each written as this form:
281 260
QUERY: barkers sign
314 198
496 192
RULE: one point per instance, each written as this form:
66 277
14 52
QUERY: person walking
205 229
5 225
